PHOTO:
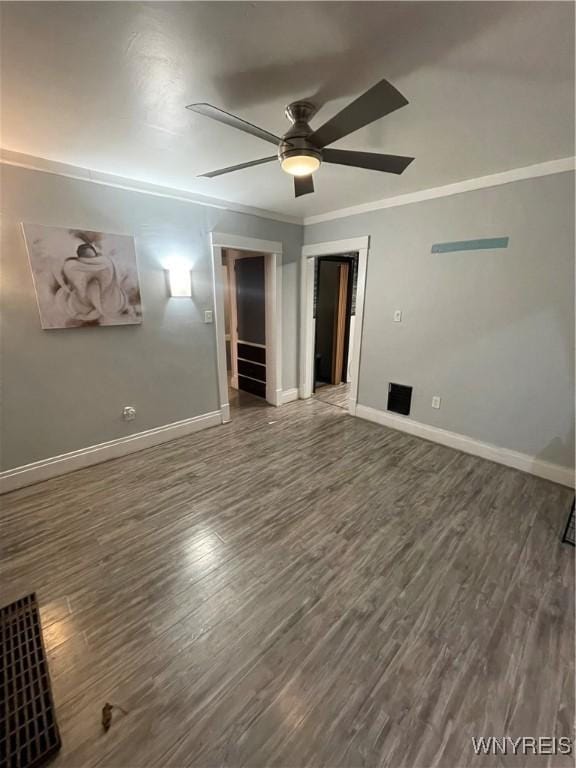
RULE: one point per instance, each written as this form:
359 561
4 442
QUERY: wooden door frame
338 341
310 253
272 252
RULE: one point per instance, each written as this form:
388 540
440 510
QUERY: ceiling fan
301 150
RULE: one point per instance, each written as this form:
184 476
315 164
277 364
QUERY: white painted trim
229 297
521 461
273 266
468 185
31 163
233 320
359 245
19 477
358 328
225 413
220 332
43 165
334 247
239 243
289 395
307 326
273 314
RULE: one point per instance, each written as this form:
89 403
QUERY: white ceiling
104 86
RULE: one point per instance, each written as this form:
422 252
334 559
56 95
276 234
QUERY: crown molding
482 182
29 162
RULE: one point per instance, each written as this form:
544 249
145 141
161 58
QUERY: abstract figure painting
83 278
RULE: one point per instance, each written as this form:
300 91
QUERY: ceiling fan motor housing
295 142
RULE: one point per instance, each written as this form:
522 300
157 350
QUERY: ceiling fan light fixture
300 165
301 150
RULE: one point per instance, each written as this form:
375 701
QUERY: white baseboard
521 461
225 413
274 396
288 396
29 474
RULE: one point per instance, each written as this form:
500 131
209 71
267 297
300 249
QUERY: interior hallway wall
64 390
490 331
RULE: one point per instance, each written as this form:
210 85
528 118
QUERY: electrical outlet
397 315
128 413
435 402
208 317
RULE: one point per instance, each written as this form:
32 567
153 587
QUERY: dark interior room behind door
251 322
332 321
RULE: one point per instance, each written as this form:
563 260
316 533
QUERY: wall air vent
399 399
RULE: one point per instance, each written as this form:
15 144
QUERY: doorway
334 306
247 291
333 286
245 320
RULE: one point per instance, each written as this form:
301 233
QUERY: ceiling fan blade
371 160
238 167
234 122
378 101
303 185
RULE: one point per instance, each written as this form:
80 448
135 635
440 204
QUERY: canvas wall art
83 278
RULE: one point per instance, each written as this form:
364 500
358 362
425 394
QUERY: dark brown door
339 334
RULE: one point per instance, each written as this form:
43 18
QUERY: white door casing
272 251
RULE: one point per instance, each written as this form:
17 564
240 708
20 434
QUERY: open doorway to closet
335 279
333 287
245 324
247 321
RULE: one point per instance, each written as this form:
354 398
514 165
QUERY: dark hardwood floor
299 588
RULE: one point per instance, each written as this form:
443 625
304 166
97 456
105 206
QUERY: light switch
208 316
397 315
435 402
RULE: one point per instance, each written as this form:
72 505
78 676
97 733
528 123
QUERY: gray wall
64 390
491 332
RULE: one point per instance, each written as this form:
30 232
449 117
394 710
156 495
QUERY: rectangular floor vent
568 537
28 730
399 398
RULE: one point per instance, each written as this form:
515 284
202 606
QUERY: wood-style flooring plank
298 588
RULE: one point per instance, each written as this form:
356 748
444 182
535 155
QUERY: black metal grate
28 729
399 399
568 537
